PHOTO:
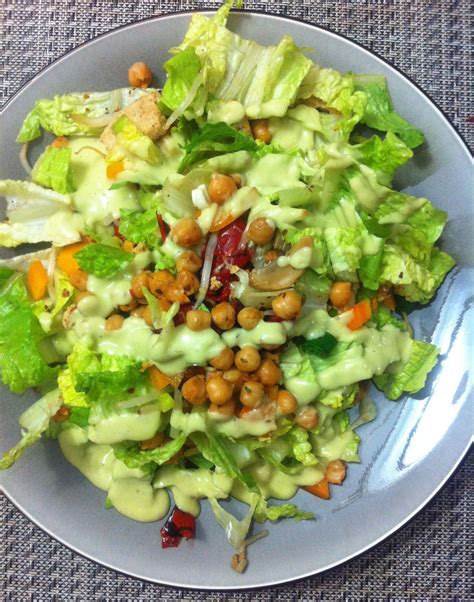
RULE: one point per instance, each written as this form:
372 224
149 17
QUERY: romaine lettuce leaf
23 344
53 170
182 71
103 261
67 115
301 447
412 377
265 512
379 113
140 226
235 530
134 457
34 422
36 214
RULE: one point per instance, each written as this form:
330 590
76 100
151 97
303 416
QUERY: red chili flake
117 231
179 524
161 223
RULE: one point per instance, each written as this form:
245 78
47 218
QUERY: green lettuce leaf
301 447
215 139
53 170
36 214
140 226
235 530
72 397
265 512
412 377
370 270
23 343
134 457
182 71
132 139
64 115
34 422
379 113
382 316
103 261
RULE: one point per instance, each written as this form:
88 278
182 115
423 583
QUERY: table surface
430 558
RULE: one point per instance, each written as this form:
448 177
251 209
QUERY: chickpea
260 231
156 441
271 391
78 279
138 312
139 281
175 293
139 75
224 360
219 390
147 315
261 130
158 282
269 373
186 232
188 282
82 295
307 418
249 317
287 305
252 393
190 261
234 376
237 179
194 390
128 246
226 409
221 188
163 303
114 322
129 306
197 319
286 402
223 315
340 294
247 359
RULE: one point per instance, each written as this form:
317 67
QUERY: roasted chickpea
138 311
226 409
219 390
186 232
249 317
128 246
224 360
223 315
260 231
340 294
129 306
82 295
194 390
175 293
114 322
139 75
221 188
287 305
251 393
271 391
261 130
188 282
234 376
159 281
307 418
237 179
190 261
197 319
79 279
269 373
247 359
147 316
286 402
139 281
156 441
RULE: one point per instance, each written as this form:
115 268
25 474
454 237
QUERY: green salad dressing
93 197
299 260
265 333
123 427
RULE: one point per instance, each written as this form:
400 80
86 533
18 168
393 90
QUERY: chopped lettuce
265 512
24 347
103 261
34 422
69 114
301 448
134 457
379 113
412 377
235 530
140 226
35 214
53 170
71 397
182 71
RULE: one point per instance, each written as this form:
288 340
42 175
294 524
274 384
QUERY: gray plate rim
441 114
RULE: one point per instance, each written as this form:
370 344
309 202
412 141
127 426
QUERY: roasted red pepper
179 524
161 224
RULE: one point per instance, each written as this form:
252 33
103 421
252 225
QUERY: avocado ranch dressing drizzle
131 491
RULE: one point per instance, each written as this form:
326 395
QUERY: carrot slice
37 280
158 380
361 313
320 489
65 259
336 472
114 169
221 221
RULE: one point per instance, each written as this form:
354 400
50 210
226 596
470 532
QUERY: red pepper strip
117 231
161 223
178 525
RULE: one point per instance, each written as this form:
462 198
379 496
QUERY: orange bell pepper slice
114 169
37 280
320 489
361 313
65 258
158 380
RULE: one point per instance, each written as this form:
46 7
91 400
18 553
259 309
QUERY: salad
227 269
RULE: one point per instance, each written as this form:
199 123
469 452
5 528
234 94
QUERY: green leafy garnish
103 261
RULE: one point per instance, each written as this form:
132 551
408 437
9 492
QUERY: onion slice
186 102
24 158
50 272
206 270
137 401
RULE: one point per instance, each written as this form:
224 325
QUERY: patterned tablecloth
431 557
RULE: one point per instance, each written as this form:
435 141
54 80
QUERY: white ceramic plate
406 454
